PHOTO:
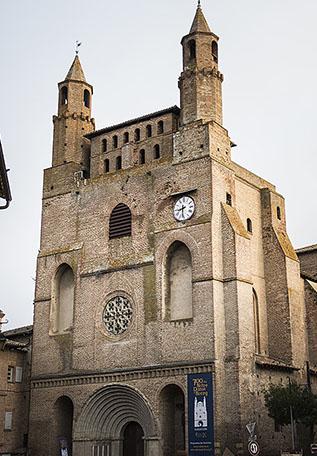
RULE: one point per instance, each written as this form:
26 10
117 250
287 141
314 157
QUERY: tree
282 400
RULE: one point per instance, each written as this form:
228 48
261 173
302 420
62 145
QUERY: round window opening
117 315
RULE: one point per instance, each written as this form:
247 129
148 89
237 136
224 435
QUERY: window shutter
120 222
8 421
18 374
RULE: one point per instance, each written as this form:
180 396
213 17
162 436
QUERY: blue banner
200 415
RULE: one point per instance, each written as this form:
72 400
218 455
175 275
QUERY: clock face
184 208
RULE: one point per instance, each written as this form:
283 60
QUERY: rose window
117 315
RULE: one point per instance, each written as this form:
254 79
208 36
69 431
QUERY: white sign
253 448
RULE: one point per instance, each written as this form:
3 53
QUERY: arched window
156 151
104 145
229 199
142 157
178 283
214 50
63 300
137 135
120 222
119 162
126 137
148 131
64 95
160 127
106 165
192 49
256 322
278 212
249 225
87 98
115 141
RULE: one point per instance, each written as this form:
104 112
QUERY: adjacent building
165 274
15 367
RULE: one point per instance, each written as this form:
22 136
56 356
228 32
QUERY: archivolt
109 409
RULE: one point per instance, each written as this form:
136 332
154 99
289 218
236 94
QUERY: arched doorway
63 422
172 415
133 442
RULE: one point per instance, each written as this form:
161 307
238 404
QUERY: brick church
162 262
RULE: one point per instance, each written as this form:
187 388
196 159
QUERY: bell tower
200 81
74 116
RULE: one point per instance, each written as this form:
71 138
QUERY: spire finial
199 4
78 43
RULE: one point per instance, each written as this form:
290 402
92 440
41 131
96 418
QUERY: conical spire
76 72
199 23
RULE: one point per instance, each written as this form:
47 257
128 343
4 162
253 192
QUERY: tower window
119 162
156 151
64 95
249 225
192 49
229 199
214 50
104 145
149 131
126 137
10 374
120 223
87 98
137 135
142 157
115 141
106 165
160 127
278 213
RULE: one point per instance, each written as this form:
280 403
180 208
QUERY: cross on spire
78 43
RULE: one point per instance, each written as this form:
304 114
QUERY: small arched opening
172 417
115 141
104 145
126 137
156 151
278 213
106 166
64 95
160 127
249 225
118 162
142 157
137 134
86 98
192 49
214 50
148 131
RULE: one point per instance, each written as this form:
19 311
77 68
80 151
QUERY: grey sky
131 54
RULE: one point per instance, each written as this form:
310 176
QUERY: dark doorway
172 413
63 414
133 443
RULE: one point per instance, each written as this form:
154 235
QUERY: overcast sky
131 54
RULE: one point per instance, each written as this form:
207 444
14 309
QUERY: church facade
161 259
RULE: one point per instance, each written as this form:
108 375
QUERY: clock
184 208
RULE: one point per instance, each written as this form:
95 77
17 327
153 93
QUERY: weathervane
77 47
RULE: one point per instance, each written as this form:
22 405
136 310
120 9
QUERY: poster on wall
200 415
63 446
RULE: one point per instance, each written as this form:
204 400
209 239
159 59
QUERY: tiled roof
309 248
172 109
